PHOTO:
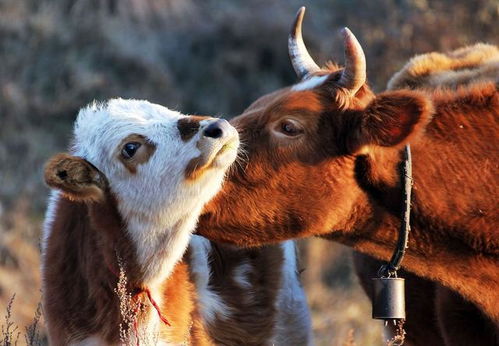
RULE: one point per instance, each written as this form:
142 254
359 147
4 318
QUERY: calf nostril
214 130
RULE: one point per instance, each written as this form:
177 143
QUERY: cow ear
75 177
392 119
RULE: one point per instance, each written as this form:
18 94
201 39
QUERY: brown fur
253 314
188 127
196 167
77 178
200 164
341 180
430 305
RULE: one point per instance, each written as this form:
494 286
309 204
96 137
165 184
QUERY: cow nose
217 129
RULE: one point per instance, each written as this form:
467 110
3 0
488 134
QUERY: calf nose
217 129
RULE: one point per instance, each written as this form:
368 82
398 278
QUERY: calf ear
392 119
75 177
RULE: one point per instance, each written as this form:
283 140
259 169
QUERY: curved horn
302 62
354 74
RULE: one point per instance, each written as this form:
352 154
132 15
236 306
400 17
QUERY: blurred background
201 57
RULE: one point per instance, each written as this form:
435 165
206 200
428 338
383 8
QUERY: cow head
157 166
142 149
311 150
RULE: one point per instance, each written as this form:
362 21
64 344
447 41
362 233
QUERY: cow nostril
214 130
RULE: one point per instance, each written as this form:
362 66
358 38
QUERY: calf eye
130 149
291 128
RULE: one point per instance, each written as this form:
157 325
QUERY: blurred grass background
201 57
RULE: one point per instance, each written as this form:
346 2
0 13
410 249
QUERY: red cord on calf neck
155 305
151 300
149 296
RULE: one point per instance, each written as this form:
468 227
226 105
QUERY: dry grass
399 338
10 331
19 274
130 309
32 334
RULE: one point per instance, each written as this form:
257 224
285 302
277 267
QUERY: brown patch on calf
142 155
78 293
198 165
195 167
78 179
189 126
180 307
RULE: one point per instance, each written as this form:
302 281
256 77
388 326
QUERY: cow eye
291 128
129 149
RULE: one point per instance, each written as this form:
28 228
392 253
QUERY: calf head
159 166
303 146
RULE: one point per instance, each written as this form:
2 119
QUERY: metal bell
389 298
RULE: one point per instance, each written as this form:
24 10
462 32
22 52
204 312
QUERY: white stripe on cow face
310 83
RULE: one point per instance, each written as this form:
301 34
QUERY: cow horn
302 62
354 74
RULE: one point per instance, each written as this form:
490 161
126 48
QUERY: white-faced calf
132 188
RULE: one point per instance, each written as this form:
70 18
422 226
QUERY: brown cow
324 158
434 312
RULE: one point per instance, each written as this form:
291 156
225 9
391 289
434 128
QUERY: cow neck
376 216
136 291
119 253
379 202
79 287
373 231
115 242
